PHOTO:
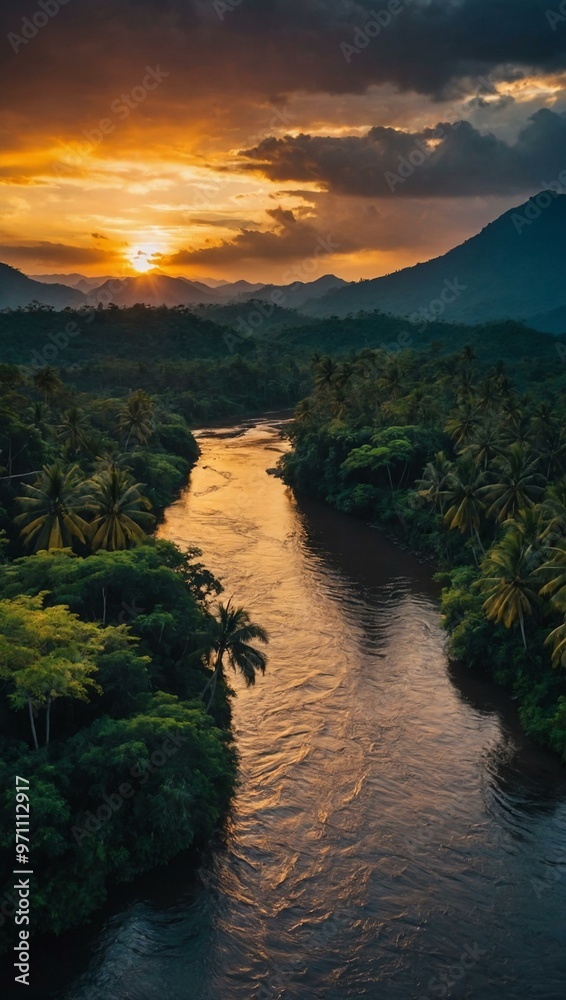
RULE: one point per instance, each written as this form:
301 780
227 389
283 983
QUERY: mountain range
17 290
513 269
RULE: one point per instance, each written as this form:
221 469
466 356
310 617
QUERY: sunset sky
262 139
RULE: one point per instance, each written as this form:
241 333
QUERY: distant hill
17 290
155 289
71 280
226 289
298 293
237 314
232 290
550 322
74 280
515 268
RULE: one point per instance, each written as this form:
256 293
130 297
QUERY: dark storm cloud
263 49
447 161
290 239
59 253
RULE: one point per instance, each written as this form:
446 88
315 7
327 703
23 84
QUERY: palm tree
51 516
518 484
339 401
464 495
47 381
518 431
511 590
121 512
466 386
229 634
432 486
554 507
557 639
485 444
489 396
531 525
463 425
324 373
305 410
345 370
136 417
72 431
551 446
467 356
38 418
541 421
511 409
555 569
391 381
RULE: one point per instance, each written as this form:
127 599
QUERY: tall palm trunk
522 624
32 721
213 682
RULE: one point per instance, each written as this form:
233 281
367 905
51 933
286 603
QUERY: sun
141 256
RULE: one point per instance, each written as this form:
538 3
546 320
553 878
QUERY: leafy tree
46 654
390 448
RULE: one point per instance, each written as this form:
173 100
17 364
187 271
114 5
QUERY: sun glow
141 256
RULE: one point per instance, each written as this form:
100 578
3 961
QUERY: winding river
394 837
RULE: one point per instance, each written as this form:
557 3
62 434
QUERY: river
393 837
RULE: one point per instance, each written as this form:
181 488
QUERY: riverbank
104 709
491 516
388 811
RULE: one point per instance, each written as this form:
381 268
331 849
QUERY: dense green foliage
113 687
114 701
454 458
222 362
135 769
